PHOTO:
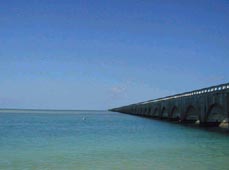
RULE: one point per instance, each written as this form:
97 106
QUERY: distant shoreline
49 110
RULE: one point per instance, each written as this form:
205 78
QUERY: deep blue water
59 140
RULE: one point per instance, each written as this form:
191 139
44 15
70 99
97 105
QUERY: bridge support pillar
225 123
202 116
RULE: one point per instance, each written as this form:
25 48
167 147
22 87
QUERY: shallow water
105 140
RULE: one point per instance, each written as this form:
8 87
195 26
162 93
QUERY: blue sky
89 54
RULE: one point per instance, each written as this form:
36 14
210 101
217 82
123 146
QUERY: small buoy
84 118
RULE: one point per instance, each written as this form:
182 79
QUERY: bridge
205 107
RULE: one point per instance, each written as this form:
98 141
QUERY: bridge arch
175 114
149 111
140 110
191 114
135 110
164 113
215 114
156 112
145 111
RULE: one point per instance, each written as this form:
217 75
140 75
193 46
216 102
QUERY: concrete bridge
206 107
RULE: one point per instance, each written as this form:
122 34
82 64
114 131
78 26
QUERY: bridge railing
211 89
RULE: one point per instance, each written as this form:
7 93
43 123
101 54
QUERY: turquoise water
105 141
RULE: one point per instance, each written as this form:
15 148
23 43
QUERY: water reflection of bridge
207 107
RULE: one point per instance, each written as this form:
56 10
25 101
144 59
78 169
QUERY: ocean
102 140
